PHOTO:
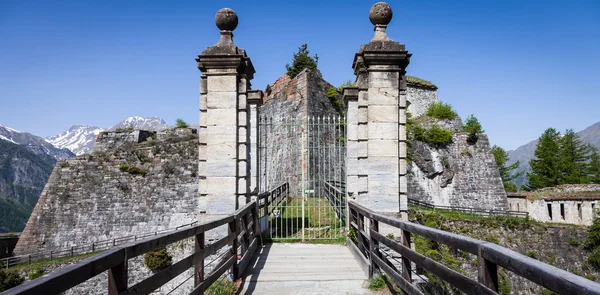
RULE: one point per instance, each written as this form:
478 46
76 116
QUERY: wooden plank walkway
304 269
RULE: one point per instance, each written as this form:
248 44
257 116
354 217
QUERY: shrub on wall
473 129
593 242
9 279
158 259
437 135
180 123
302 60
440 110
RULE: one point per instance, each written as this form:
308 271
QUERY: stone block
402 149
220 168
220 149
363 114
383 96
383 165
243 85
352 149
242 102
363 149
402 101
202 168
363 131
203 119
221 117
403 167
242 169
221 100
383 79
383 114
242 135
220 204
402 132
203 86
352 185
402 116
221 186
202 102
242 154
387 131
403 186
224 83
363 166
352 131
363 98
202 136
242 183
243 118
363 183
383 148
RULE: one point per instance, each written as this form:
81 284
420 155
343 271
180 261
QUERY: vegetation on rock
506 172
9 279
302 60
180 123
36 273
377 283
132 169
434 135
440 110
593 242
473 129
158 259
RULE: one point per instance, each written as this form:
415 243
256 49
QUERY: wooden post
117 278
234 248
406 267
257 232
373 249
360 224
199 266
487 272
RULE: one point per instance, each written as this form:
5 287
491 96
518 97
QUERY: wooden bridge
307 268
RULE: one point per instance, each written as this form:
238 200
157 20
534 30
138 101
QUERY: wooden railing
269 200
334 193
82 249
243 237
368 249
468 210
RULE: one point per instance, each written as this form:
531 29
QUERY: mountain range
27 160
80 139
524 153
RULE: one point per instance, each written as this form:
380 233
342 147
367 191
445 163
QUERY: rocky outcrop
459 174
135 188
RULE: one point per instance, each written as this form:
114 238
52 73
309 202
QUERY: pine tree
473 128
302 61
501 157
573 157
545 165
593 171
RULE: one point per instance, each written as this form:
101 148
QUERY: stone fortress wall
95 197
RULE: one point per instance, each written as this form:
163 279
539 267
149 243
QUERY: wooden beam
117 278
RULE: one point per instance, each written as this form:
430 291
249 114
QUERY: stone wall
109 140
460 174
96 197
560 246
569 203
282 116
419 98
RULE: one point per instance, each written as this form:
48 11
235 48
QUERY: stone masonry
224 120
377 120
97 197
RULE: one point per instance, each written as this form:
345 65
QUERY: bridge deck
304 269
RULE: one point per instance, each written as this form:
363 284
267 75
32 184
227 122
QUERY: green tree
347 83
302 60
180 123
593 172
573 158
544 167
473 129
506 172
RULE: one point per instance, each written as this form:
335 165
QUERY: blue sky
519 66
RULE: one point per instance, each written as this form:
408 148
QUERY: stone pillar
224 117
350 95
254 102
381 118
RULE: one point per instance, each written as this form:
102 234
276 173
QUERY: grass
377 283
222 286
419 81
319 221
38 264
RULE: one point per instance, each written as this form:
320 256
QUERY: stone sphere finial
380 13
226 19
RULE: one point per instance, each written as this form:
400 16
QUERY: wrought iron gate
306 159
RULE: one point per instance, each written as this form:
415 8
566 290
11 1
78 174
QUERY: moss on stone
420 82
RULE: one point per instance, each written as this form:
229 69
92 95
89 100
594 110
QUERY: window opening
562 211
549 211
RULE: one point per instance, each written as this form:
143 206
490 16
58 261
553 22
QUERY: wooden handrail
115 260
490 256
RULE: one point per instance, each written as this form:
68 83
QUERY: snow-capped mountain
150 123
33 143
79 139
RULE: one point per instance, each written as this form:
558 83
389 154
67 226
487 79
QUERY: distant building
569 203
